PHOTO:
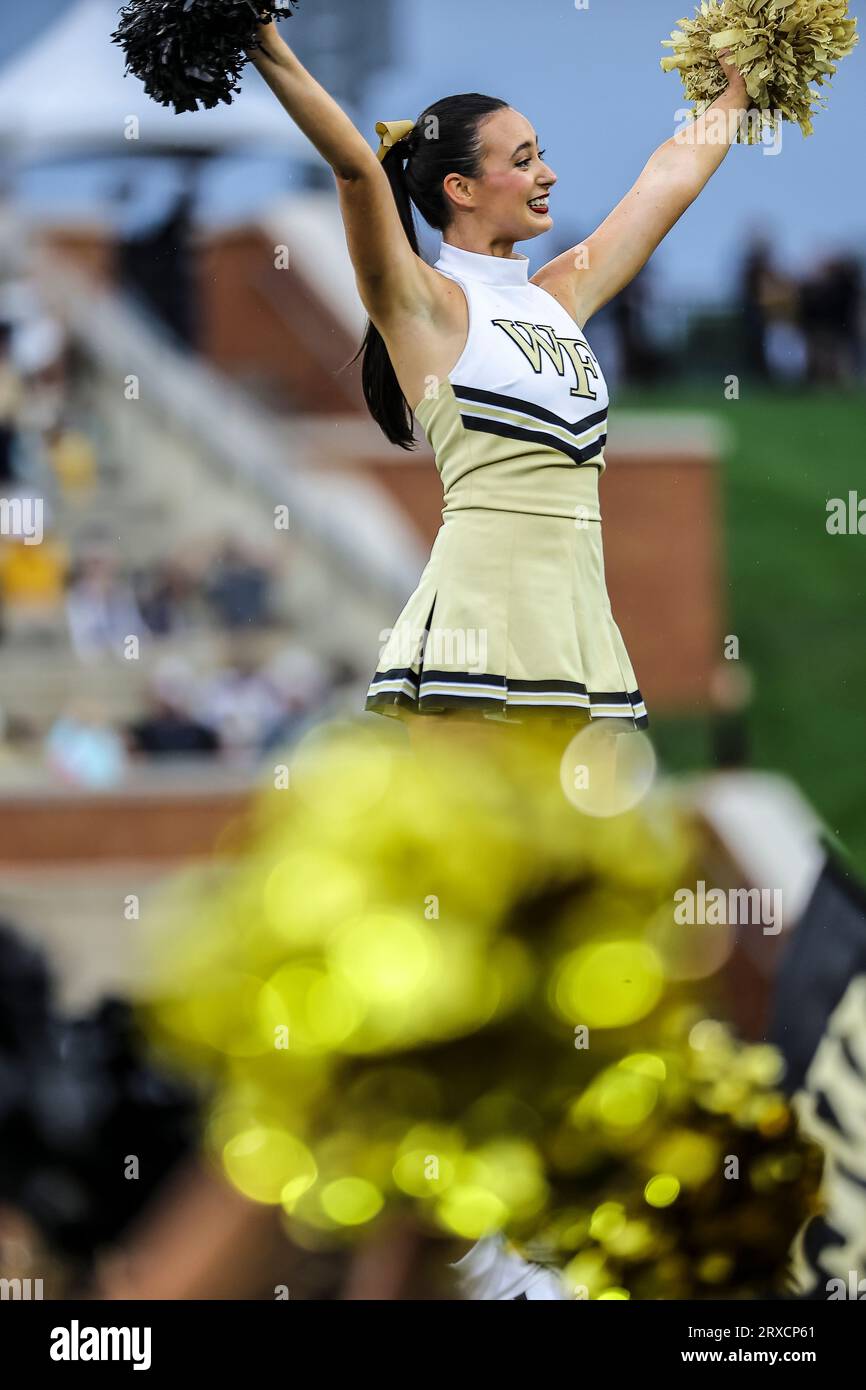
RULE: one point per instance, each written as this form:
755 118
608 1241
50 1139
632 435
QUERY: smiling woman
498 372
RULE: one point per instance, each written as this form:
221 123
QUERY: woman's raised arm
586 277
312 109
390 276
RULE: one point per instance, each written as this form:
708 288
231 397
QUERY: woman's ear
459 190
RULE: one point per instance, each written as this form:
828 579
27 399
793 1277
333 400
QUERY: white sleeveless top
521 422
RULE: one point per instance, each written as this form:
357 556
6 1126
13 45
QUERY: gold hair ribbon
392 132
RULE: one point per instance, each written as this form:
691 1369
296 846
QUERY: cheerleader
511 617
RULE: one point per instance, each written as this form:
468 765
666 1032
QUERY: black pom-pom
190 53
76 1096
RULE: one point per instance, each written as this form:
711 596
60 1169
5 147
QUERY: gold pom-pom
783 48
428 984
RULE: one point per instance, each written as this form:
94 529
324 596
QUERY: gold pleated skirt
511 617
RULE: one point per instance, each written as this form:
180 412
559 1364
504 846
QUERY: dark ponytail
446 140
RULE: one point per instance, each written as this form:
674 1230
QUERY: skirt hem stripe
425 692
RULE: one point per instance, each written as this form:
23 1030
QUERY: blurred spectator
165 595
845 275
304 685
732 689
33 383
40 348
239 590
83 748
72 459
158 266
243 705
766 296
169 726
6 753
786 352
32 579
641 362
831 312
10 406
101 609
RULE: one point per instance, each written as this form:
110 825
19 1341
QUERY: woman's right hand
736 81
268 40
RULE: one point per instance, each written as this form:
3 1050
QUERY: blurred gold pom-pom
783 48
430 983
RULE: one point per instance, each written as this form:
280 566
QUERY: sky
587 74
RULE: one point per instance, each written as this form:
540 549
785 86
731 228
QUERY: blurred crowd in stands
238 712
809 330
66 586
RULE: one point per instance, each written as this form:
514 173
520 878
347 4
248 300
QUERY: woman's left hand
731 71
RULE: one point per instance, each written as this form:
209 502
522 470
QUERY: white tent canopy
66 94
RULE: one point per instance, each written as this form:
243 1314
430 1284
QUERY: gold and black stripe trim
588 455
539 412
428 691
510 417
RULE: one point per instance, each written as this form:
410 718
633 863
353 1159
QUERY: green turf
797 595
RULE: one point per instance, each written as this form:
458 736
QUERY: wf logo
536 348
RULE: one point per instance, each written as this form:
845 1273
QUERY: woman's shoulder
557 286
